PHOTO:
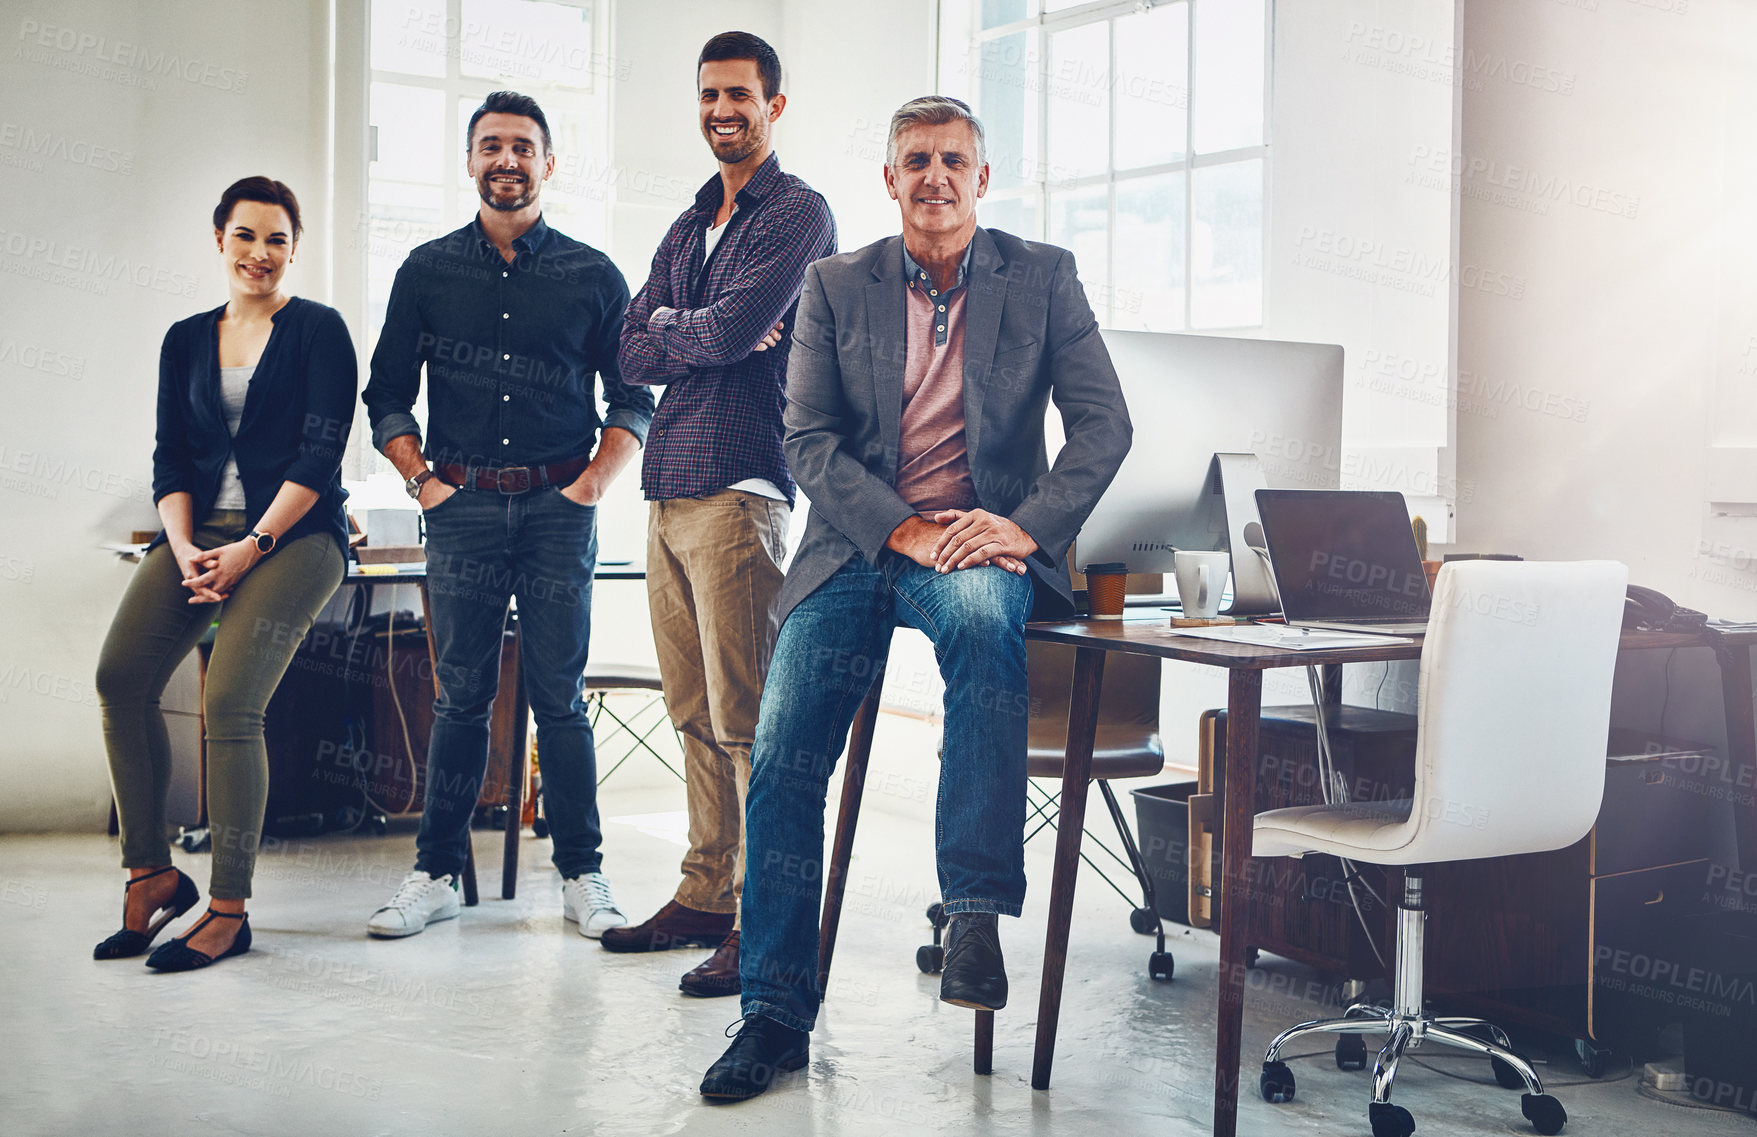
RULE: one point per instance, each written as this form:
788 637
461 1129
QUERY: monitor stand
1238 478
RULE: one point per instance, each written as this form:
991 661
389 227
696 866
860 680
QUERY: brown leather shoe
672 926
718 974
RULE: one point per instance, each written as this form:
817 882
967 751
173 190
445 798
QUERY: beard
499 204
739 146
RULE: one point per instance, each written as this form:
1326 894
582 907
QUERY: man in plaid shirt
713 324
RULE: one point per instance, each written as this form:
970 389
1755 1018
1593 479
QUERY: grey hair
934 110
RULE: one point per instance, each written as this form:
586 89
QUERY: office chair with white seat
1513 716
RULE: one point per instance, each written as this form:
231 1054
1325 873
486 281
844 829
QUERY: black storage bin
1162 821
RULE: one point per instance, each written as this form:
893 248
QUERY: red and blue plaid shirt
719 421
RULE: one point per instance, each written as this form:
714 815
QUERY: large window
432 62
1132 133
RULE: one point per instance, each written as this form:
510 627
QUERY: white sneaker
420 900
586 900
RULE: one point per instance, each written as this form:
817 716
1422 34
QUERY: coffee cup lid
1107 567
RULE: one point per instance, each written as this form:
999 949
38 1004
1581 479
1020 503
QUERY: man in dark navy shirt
711 325
512 321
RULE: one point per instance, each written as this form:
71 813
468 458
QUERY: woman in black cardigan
255 401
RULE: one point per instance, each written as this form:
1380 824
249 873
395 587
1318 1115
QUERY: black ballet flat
177 955
127 943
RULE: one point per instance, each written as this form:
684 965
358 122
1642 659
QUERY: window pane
1149 292
405 195
1229 74
410 146
1079 97
526 40
1015 215
1009 68
1152 86
1078 220
1226 245
409 36
998 12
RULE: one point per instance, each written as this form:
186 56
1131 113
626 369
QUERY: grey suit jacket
1029 337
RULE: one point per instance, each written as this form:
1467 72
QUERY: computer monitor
1190 398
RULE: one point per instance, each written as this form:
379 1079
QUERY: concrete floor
506 1020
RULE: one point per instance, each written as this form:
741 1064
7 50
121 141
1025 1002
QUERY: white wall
1638 313
120 130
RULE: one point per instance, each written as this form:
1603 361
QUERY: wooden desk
1244 665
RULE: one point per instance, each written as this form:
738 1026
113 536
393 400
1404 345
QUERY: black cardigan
297 414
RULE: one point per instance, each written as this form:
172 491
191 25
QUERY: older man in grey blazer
921 371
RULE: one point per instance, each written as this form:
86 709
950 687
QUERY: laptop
1345 560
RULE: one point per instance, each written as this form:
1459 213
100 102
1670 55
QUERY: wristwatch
414 484
265 542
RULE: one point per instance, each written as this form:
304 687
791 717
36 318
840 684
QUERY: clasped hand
964 538
211 574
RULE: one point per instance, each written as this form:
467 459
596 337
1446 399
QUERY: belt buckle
523 478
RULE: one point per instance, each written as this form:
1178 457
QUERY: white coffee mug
1201 578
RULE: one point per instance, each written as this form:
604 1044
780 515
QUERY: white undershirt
762 487
234 386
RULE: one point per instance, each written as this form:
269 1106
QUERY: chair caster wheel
379 824
1160 965
1276 1082
936 915
1390 1120
1351 1052
1544 1112
1144 920
539 828
1506 1076
930 958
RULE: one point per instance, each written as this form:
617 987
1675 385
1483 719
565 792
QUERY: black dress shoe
127 943
763 1050
177 955
974 975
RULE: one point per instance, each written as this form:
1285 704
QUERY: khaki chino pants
713 579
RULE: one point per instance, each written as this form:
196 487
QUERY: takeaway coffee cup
1105 585
1201 578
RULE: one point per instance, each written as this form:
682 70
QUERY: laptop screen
1343 555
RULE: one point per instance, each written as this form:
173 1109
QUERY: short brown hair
743 45
258 188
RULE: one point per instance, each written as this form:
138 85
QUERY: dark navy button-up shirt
720 420
511 348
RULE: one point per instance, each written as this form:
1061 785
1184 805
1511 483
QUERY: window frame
1037 192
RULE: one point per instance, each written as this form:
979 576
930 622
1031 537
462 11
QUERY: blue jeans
482 548
831 650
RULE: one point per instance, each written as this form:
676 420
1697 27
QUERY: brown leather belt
510 480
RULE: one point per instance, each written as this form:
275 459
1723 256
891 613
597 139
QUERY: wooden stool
836 879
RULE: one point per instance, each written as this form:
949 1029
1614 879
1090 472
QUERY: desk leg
471 897
1076 775
1244 705
515 776
842 849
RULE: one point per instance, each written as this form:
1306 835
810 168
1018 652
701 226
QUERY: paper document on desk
1291 639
